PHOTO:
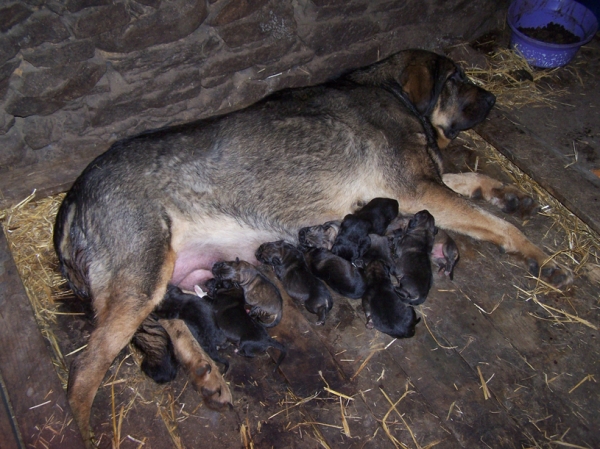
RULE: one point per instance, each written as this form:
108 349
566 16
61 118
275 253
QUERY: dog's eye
458 75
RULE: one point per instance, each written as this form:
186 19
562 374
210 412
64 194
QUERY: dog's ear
423 79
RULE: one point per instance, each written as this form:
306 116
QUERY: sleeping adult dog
165 206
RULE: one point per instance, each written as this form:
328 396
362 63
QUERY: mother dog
165 206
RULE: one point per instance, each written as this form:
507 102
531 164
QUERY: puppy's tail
275 321
282 352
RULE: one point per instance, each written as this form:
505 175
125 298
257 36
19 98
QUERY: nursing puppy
383 308
411 249
319 236
259 291
444 254
199 315
250 337
338 273
162 207
300 284
159 361
352 240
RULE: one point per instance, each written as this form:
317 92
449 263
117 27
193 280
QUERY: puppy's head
320 236
235 270
272 253
422 221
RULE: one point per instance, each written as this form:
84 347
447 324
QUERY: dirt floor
498 361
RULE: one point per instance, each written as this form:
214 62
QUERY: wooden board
42 415
577 189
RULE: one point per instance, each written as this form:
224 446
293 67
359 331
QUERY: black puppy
159 362
337 272
384 310
238 327
353 241
411 249
297 280
198 314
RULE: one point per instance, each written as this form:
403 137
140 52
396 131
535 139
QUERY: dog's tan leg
205 374
113 333
506 197
120 309
456 213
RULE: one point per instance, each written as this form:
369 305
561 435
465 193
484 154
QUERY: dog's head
436 86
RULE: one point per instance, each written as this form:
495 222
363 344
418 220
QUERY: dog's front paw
513 201
553 274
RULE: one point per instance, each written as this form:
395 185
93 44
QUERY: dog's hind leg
205 375
456 213
506 197
121 307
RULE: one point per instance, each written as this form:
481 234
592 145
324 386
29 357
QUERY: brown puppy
297 280
259 291
319 236
163 207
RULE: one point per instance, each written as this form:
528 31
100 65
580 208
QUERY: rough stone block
271 22
40 132
13 147
94 21
6 122
172 21
54 55
44 91
332 36
409 13
8 48
12 14
236 10
42 26
21 106
233 62
78 5
6 70
348 9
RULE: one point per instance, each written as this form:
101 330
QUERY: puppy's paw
513 201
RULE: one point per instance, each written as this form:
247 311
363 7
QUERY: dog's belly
200 244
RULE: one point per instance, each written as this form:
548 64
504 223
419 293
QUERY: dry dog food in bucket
548 33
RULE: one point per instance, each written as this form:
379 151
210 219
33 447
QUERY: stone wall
76 75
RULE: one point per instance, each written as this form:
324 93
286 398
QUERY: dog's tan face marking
460 106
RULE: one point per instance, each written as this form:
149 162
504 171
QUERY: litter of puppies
387 262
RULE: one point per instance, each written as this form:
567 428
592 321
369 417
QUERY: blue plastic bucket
573 16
